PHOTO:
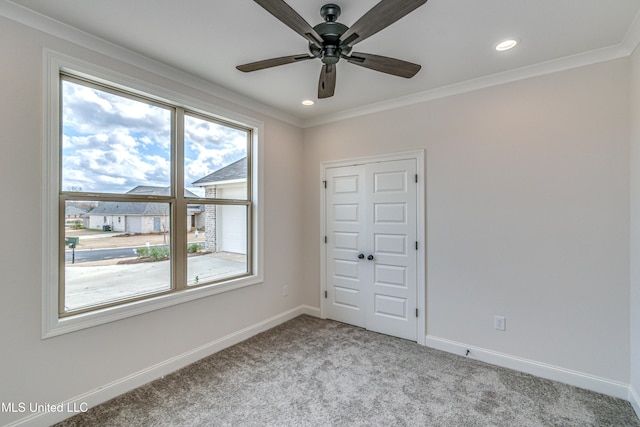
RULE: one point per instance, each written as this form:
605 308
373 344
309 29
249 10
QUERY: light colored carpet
313 372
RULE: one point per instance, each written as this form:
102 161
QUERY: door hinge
416 245
416 312
325 239
325 184
326 294
416 177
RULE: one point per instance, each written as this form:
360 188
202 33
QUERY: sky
111 143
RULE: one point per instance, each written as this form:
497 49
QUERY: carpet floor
313 372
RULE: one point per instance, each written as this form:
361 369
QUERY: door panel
371 210
390 213
344 216
392 207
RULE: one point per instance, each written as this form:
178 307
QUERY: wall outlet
500 323
285 291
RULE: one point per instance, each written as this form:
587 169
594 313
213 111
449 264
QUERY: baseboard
634 398
130 382
543 370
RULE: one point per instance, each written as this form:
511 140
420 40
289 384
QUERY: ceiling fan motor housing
330 31
331 41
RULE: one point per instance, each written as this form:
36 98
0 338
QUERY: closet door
347 272
371 216
391 220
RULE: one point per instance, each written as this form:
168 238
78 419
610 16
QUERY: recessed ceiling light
307 102
506 45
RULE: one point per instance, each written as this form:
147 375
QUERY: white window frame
56 63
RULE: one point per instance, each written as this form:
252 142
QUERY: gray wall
527 201
528 216
59 368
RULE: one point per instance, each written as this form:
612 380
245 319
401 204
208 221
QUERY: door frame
419 157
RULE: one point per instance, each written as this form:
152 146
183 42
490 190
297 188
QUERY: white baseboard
634 398
130 382
543 370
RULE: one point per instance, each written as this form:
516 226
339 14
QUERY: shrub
142 252
193 248
158 253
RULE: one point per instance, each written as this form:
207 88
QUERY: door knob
361 256
370 257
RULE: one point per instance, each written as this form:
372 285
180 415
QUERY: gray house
226 225
141 217
74 214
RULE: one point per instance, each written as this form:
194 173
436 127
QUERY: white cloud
112 143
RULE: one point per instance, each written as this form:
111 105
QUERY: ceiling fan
331 41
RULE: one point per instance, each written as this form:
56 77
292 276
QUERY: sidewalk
92 285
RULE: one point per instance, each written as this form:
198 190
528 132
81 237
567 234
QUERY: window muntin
101 126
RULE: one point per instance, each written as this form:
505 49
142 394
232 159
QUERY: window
168 200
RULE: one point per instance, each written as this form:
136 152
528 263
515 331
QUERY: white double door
371 246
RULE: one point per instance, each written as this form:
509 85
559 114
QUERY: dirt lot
91 239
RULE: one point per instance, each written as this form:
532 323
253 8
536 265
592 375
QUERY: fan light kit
506 45
307 102
331 41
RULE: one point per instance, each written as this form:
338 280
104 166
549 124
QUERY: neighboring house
225 226
141 217
73 214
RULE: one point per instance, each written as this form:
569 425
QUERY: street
99 254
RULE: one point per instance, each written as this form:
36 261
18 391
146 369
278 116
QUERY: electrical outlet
500 323
285 291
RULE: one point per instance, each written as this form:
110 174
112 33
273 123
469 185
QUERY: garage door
231 223
133 224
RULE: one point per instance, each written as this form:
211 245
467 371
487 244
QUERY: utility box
68 241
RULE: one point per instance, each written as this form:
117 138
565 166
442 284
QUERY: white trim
229 181
539 369
634 399
419 157
52 325
632 38
144 376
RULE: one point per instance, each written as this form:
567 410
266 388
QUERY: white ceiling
453 40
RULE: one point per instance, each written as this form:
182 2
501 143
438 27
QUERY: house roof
235 171
140 208
131 208
150 190
74 210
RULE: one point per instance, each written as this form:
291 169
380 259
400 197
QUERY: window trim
56 63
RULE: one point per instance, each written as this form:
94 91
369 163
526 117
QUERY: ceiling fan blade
327 83
377 18
273 62
290 18
384 64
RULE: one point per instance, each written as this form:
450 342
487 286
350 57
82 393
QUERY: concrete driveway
90 285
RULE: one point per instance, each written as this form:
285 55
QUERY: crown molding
540 69
52 27
632 37
40 22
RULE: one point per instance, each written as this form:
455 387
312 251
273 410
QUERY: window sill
81 321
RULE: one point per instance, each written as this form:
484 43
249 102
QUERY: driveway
91 285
